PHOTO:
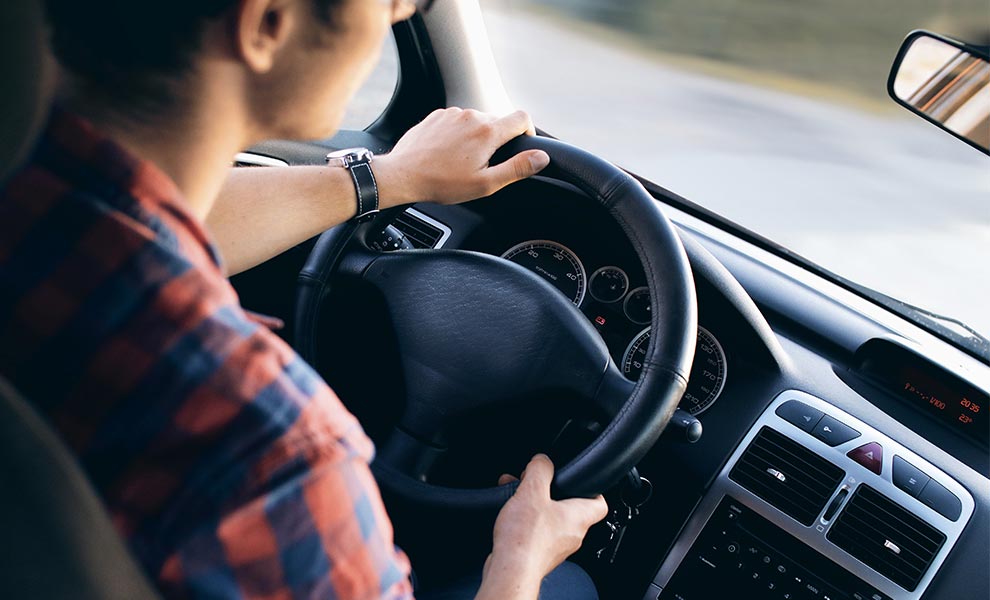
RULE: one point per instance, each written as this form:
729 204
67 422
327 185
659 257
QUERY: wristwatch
358 162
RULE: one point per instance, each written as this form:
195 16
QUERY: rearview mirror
945 82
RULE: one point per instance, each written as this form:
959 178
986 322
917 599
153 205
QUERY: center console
815 504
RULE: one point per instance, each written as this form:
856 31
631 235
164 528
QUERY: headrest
27 72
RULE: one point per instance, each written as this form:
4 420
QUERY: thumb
520 166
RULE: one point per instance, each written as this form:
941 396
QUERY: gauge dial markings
708 372
553 261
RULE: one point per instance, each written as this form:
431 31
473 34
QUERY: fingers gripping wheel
554 343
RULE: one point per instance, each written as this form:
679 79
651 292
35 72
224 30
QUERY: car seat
56 539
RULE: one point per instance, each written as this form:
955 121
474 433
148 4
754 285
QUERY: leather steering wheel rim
639 419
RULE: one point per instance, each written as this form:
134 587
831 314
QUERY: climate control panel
814 493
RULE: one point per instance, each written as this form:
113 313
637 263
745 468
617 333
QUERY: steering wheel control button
390 239
869 455
943 501
799 414
909 477
834 432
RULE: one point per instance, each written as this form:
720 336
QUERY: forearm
509 578
261 212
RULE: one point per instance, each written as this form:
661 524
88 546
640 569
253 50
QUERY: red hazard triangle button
869 455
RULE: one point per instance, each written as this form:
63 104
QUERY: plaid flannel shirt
225 461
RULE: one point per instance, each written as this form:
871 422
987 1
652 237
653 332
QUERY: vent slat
889 567
870 520
808 479
910 552
916 539
420 233
759 475
775 450
901 522
813 485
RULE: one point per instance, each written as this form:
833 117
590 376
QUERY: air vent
787 475
421 230
885 536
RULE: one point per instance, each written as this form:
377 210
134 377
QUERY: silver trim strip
446 231
856 474
259 160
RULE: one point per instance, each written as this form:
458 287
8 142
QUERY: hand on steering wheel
524 336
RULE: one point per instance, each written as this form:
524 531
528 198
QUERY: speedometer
707 373
555 263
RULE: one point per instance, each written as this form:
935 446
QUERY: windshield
774 114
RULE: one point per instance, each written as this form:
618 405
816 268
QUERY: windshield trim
976 346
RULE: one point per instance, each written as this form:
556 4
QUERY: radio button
909 477
834 432
799 414
942 500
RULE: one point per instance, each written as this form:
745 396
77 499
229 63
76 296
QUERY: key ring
644 491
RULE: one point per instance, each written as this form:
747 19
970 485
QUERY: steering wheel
525 336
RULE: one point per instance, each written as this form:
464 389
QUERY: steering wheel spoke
613 391
357 260
408 454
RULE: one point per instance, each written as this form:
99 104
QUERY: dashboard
736 513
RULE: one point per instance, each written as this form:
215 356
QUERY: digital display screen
937 393
963 410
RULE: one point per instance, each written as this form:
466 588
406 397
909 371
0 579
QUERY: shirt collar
151 187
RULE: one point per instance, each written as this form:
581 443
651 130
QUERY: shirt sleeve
320 533
319 530
291 507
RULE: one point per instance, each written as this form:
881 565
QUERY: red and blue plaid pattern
225 461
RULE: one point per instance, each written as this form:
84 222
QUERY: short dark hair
129 52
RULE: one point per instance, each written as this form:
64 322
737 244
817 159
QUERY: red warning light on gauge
600 320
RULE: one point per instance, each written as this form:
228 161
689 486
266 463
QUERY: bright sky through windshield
813 156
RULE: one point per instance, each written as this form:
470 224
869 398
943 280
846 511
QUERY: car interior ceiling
805 378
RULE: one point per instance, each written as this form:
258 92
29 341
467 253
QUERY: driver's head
287 68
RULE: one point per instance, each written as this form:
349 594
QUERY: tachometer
555 263
707 374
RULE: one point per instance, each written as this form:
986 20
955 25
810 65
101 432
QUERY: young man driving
228 465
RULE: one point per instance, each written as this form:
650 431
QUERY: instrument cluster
619 312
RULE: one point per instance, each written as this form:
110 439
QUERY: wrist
515 569
395 186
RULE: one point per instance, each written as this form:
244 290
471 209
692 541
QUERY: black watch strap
367 191
358 162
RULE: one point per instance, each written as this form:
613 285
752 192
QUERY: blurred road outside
858 185
813 157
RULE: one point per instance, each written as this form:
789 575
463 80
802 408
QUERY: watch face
348 156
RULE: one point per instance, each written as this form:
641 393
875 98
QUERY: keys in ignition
621 516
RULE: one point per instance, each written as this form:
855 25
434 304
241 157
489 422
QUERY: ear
261 29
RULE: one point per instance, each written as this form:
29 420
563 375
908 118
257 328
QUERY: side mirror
946 83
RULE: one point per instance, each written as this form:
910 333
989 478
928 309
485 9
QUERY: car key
617 522
622 516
